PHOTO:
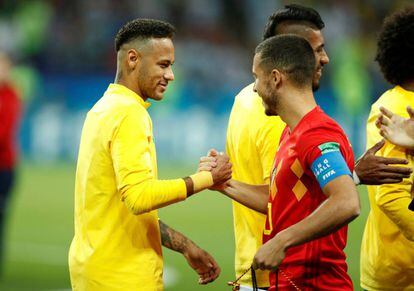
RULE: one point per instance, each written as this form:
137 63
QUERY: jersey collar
402 91
122 90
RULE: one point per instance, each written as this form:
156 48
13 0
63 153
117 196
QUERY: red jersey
9 119
294 194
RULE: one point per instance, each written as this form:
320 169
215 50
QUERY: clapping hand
397 129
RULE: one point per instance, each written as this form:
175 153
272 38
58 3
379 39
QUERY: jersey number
269 230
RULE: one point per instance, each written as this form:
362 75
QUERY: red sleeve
309 142
3 120
9 114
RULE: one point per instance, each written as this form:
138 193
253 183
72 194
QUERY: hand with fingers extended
219 165
397 129
376 170
203 263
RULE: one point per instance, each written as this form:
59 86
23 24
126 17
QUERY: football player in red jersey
312 194
252 139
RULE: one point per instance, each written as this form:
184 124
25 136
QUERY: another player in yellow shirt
398 130
253 138
118 237
387 250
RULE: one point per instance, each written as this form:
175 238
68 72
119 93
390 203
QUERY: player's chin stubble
271 105
315 85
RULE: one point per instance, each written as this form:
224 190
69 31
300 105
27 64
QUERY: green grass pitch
40 228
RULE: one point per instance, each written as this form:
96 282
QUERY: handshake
219 165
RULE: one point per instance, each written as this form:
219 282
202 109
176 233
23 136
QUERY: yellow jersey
252 141
117 244
387 250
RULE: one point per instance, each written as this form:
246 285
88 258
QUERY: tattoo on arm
172 239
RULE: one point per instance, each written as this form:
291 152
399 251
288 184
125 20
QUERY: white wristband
356 178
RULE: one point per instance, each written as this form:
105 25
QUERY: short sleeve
323 152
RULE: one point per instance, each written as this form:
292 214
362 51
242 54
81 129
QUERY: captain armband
330 164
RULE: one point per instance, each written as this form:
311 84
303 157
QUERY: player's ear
276 78
133 57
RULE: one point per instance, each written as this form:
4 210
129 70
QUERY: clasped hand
219 165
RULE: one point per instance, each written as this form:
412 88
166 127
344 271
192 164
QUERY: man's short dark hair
290 54
395 52
296 14
143 29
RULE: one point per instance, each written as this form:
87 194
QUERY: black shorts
6 184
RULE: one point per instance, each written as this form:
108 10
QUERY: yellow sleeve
268 138
133 161
393 199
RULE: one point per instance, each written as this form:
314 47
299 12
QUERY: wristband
202 180
356 178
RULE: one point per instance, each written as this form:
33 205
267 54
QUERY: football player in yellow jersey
118 236
387 249
253 137
398 130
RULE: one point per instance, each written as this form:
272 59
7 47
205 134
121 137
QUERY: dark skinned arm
376 170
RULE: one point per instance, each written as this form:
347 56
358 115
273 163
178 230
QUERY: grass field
40 229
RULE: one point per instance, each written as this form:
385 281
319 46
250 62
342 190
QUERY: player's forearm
153 194
252 196
331 215
173 239
176 241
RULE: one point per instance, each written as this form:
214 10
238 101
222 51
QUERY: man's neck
130 85
293 108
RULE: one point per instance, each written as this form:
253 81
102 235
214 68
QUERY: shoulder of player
246 91
318 123
114 111
395 99
127 105
248 98
133 112
320 131
248 105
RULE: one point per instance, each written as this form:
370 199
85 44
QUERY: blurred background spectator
9 121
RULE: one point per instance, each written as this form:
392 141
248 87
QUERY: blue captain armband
330 164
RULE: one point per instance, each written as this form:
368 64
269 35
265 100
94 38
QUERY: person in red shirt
312 196
315 148
10 107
